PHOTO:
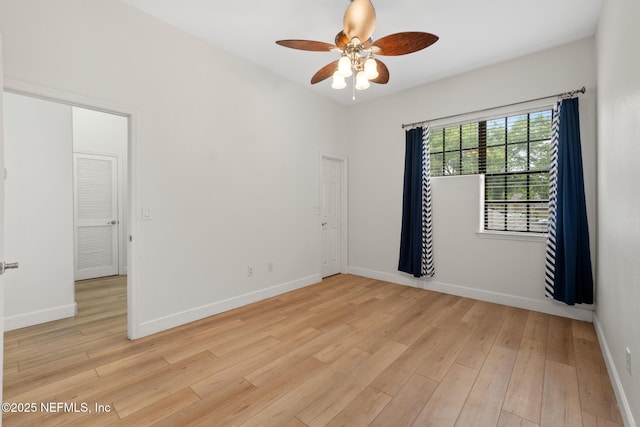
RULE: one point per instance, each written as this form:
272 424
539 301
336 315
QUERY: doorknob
7 266
112 222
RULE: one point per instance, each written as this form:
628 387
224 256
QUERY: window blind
513 154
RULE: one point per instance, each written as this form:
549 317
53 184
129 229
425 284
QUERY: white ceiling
473 33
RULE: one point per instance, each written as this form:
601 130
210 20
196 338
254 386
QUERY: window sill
512 235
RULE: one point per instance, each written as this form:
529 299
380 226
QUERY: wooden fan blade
306 45
403 43
383 73
359 19
341 40
324 72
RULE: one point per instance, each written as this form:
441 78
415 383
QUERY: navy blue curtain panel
569 277
411 235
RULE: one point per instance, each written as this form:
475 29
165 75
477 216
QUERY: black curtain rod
562 95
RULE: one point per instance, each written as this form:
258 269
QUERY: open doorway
100 143
47 143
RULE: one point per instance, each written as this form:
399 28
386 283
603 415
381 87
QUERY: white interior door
95 215
331 209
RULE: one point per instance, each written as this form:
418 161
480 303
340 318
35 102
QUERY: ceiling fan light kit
355 60
358 50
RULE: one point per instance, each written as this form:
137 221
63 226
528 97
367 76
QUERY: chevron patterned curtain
416 239
568 275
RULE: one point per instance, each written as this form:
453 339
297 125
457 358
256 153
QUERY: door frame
2 173
132 114
344 209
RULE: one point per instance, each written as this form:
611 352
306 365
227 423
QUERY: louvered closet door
95 215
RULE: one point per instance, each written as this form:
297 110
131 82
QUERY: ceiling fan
358 50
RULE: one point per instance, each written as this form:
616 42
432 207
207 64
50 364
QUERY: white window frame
488 114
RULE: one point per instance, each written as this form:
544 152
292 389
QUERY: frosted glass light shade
344 66
370 68
361 81
338 81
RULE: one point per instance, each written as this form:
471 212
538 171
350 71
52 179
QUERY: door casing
2 172
132 196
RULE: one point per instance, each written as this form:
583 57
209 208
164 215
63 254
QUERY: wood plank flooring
349 351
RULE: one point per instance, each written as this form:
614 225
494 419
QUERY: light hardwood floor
349 351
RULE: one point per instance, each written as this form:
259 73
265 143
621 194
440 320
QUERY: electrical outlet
628 354
270 267
250 271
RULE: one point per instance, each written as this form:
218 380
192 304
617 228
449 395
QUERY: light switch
146 214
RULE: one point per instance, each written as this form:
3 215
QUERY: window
513 154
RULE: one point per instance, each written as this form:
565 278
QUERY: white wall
96 132
225 155
465 263
38 211
618 291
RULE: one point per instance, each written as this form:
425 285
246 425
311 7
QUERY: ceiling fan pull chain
353 86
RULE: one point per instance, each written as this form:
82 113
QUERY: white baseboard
618 389
40 316
187 316
544 306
